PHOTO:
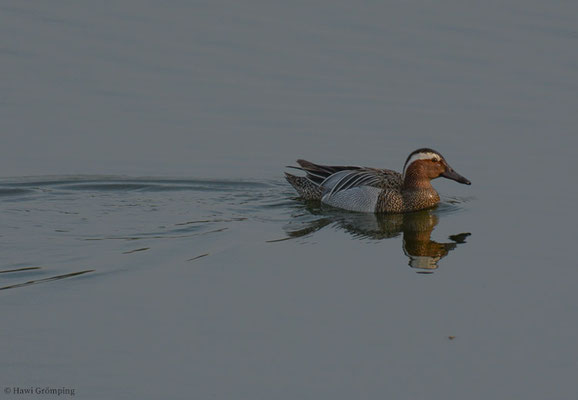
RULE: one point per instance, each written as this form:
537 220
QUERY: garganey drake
376 190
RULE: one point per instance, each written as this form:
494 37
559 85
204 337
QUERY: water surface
151 249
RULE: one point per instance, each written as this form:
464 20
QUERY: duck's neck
416 179
417 191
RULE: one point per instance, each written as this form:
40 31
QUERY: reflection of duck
376 190
423 253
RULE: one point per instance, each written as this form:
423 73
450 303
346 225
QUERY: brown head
426 164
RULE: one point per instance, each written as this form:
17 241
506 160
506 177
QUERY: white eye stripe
421 156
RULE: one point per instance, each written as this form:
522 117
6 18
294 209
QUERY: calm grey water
151 248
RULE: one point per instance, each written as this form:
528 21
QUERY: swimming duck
376 190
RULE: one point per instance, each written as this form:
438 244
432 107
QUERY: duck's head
427 164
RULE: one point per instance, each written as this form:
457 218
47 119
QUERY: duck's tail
306 188
309 186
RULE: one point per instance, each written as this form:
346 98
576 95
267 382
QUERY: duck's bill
454 176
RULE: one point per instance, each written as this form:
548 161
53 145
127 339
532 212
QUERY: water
151 248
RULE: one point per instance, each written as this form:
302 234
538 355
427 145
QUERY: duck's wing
317 173
349 179
358 190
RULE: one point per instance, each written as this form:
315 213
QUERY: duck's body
376 190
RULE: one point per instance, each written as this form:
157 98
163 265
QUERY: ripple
44 280
197 257
10 187
136 250
18 270
5 192
106 187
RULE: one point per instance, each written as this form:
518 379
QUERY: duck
374 190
